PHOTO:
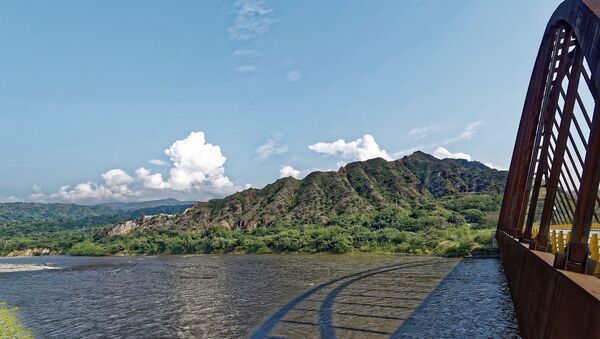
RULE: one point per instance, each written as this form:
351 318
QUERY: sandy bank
10 268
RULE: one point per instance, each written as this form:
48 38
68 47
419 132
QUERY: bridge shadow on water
402 301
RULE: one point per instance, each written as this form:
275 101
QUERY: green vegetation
453 241
480 210
418 183
10 327
428 229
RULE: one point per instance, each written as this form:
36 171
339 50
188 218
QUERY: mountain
451 176
29 211
358 187
144 204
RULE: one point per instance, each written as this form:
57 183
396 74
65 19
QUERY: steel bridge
553 183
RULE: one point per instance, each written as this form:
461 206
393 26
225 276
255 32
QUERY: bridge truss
554 174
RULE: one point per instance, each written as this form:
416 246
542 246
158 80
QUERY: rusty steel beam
579 178
563 210
570 199
562 193
590 180
583 109
580 20
572 181
532 170
541 131
514 192
563 177
540 157
549 113
562 183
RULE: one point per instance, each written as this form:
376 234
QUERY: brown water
261 296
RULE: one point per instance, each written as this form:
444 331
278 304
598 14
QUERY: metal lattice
555 169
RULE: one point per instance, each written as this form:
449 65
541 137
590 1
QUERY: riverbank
450 241
10 326
31 252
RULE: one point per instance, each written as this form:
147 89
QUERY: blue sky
134 100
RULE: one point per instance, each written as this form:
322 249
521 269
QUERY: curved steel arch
583 16
539 161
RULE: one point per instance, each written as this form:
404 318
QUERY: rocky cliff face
451 176
357 187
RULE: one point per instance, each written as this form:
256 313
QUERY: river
233 296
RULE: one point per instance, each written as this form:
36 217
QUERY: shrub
285 241
341 243
87 247
10 327
456 218
473 216
482 202
490 220
223 244
426 228
256 245
454 248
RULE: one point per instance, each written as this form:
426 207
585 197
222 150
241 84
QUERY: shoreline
473 255
383 253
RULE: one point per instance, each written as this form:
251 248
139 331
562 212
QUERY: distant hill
358 187
28 211
24 217
144 204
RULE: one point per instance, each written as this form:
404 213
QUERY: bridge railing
560 237
555 168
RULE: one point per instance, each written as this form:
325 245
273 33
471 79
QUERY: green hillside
24 218
418 181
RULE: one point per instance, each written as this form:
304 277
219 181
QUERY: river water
233 296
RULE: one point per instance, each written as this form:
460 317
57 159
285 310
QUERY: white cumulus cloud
360 149
272 146
443 153
89 192
253 19
37 194
197 164
289 171
116 177
150 180
10 198
197 172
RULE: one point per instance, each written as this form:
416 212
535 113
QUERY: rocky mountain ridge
358 187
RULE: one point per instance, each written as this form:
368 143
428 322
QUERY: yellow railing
595 226
559 239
